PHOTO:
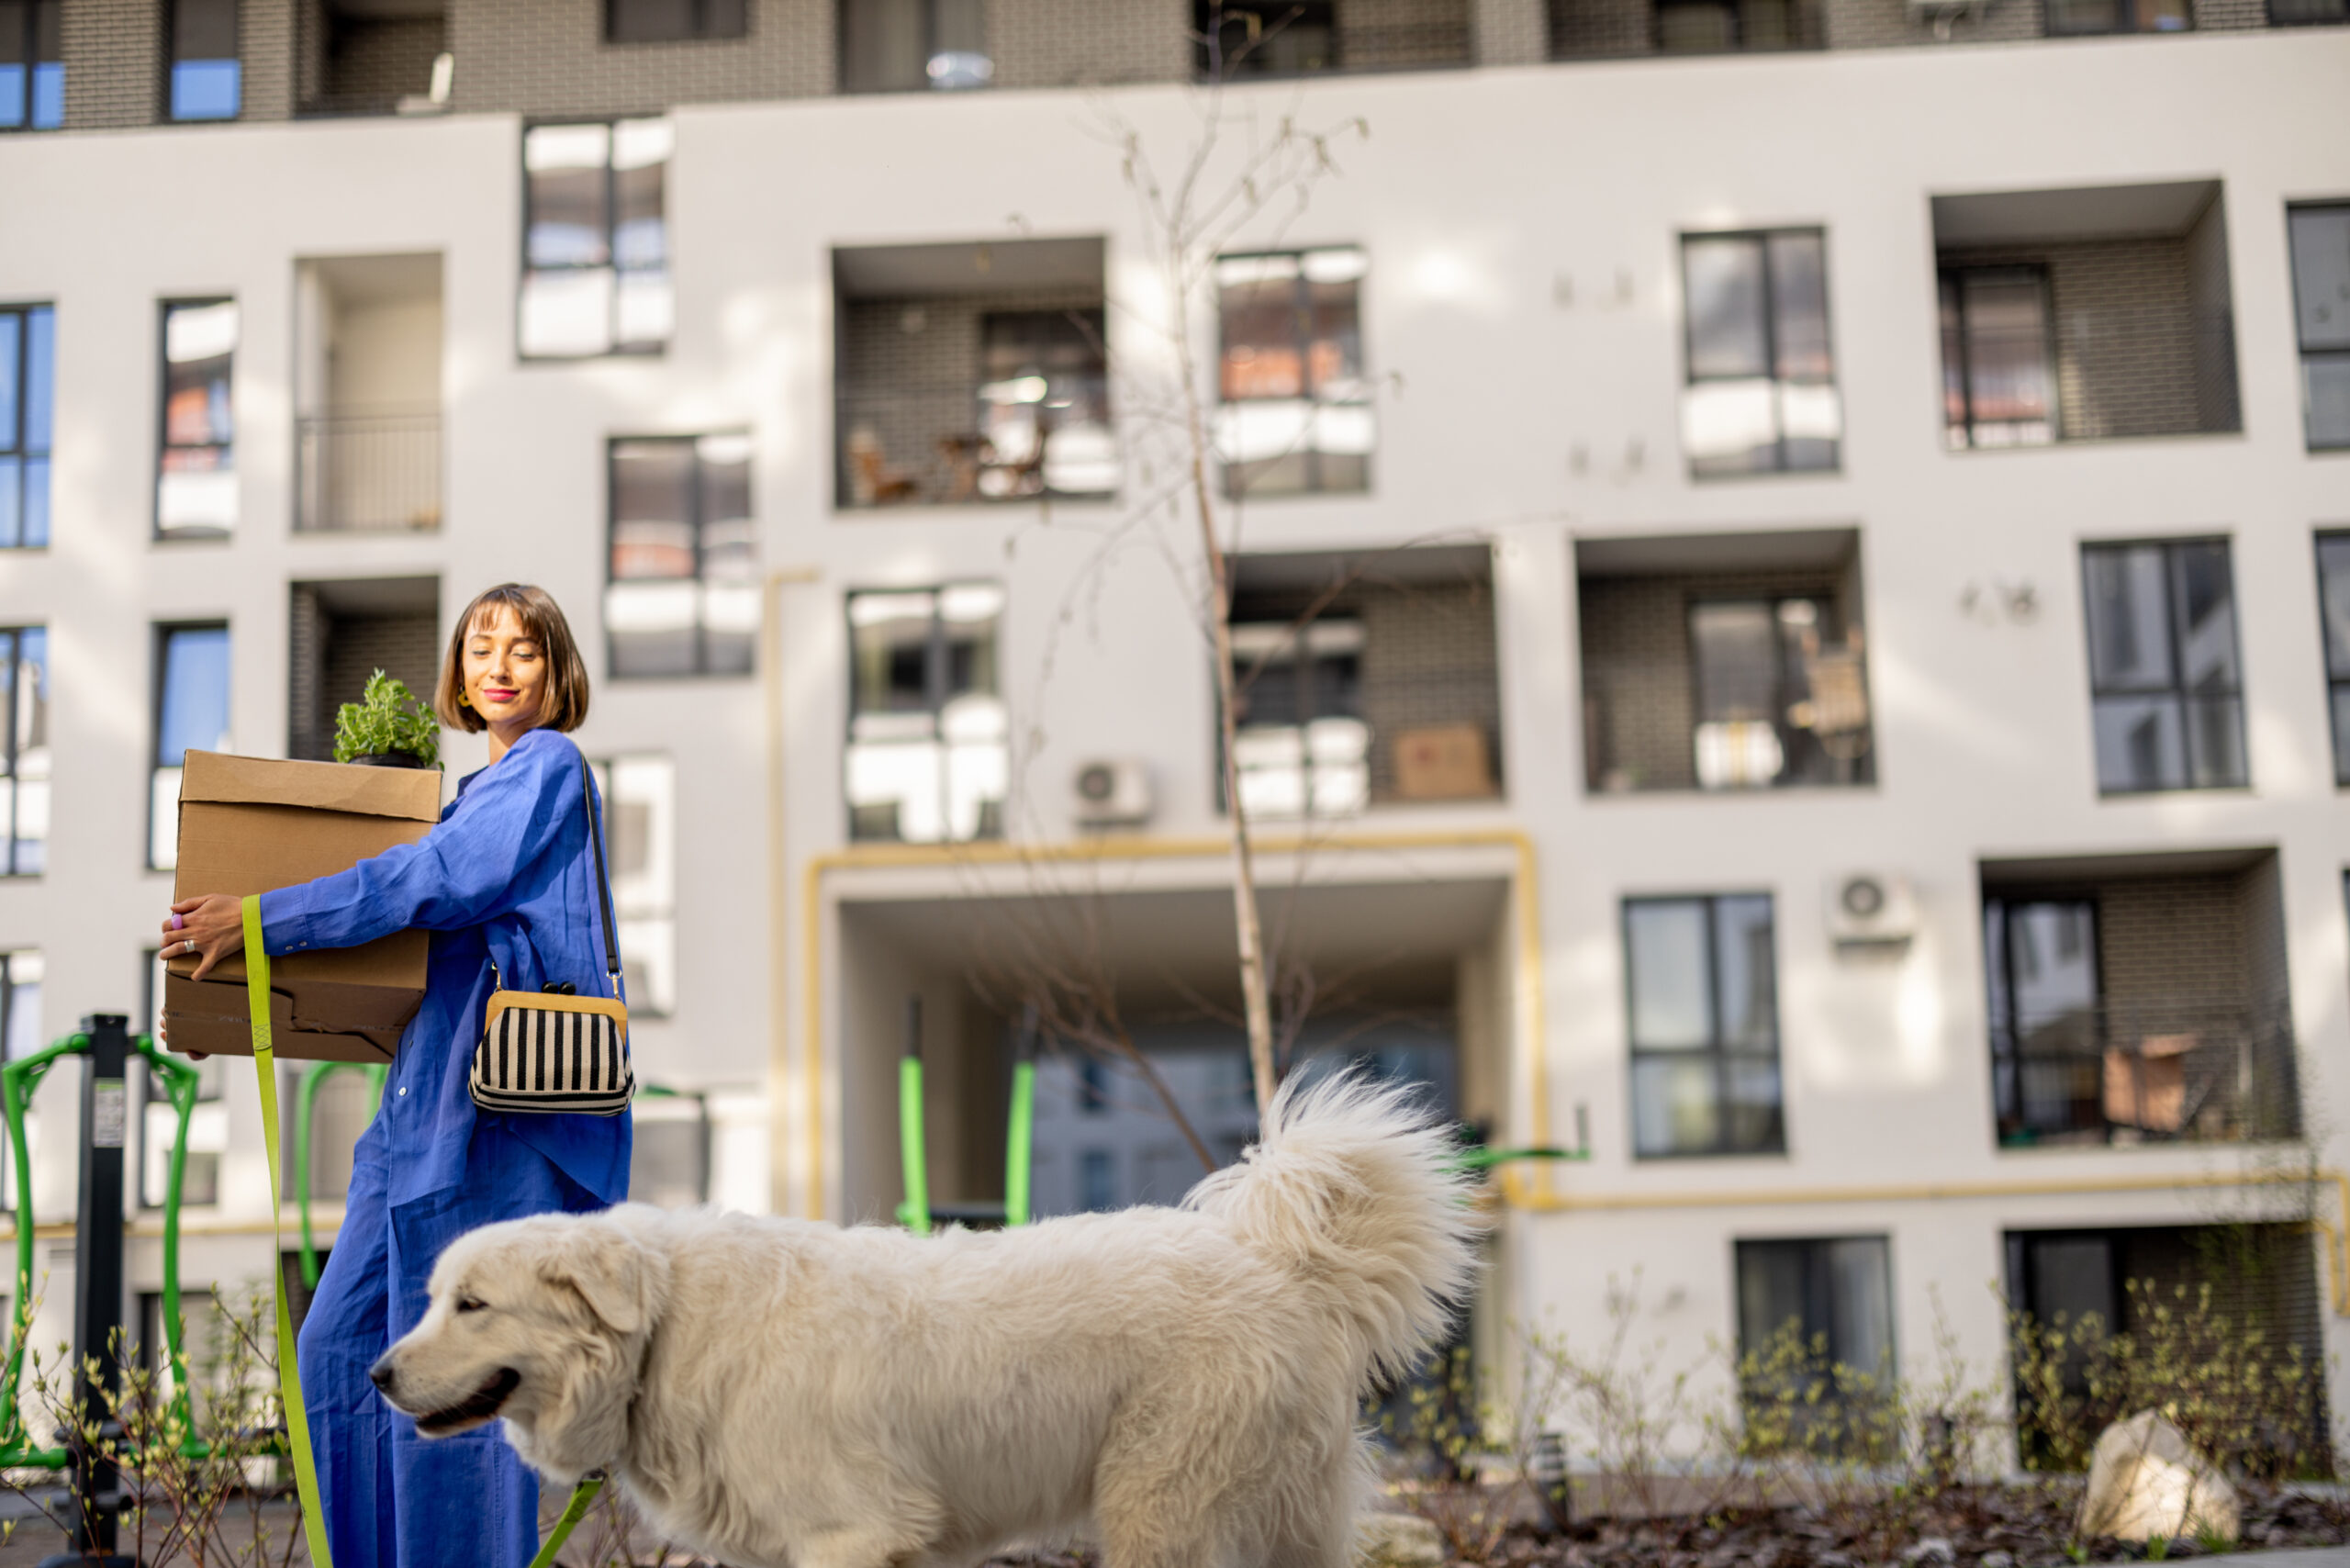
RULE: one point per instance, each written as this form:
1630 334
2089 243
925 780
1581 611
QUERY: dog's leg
863 1548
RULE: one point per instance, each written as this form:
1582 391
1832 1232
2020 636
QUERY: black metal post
97 1294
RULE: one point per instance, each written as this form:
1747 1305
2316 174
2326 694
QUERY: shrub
388 719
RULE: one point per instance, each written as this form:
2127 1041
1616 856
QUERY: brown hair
564 706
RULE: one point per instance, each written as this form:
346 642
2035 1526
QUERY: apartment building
1792 589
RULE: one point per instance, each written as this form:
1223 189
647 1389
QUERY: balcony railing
2091 375
1020 439
356 473
2167 1073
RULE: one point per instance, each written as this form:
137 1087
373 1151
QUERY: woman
507 878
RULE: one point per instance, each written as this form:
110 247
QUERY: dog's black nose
380 1374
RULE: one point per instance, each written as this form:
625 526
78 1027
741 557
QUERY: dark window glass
2300 13
32 68
1264 37
594 239
1782 696
24 751
1301 747
1998 380
28 381
660 21
2333 606
2046 1000
2166 690
926 760
1044 408
684 593
1296 415
901 46
1762 378
2073 17
191 713
1815 1330
1702 986
2321 241
196 492
1714 26
207 80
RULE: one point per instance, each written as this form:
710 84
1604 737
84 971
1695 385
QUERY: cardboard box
1443 762
248 824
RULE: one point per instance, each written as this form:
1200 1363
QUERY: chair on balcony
871 480
2147 1084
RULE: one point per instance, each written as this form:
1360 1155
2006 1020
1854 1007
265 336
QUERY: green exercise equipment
918 1213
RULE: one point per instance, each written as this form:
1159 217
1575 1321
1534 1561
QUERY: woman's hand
211 926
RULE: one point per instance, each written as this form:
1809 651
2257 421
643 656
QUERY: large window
926 758
2321 237
32 65
901 46
24 751
1998 387
2334 611
2046 996
1296 415
596 239
1762 393
1815 1333
1044 408
2076 16
27 377
1301 747
661 21
684 595
640 837
191 713
1704 1026
195 488
1781 698
1264 37
2164 676
208 80
20 1024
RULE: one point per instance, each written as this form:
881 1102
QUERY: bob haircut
564 706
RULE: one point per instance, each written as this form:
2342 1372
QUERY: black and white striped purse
550 1050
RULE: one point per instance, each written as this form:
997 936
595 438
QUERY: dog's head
541 1322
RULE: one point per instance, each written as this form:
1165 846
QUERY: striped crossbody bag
549 1050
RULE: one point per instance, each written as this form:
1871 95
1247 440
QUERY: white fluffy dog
1180 1384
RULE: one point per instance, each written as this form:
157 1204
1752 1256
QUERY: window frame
615 347
1783 682
2175 691
2301 351
17 444
2336 686
12 640
1955 278
701 31
170 62
931 50
937 655
159 662
699 525
2003 1017
32 65
1714 1052
1227 477
1761 239
164 444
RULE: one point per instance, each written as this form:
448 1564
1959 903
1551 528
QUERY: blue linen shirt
506 877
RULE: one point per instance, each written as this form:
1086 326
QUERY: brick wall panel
548 58
113 54
1083 43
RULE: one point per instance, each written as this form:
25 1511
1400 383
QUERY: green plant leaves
388 718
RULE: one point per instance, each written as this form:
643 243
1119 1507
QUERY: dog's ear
607 1265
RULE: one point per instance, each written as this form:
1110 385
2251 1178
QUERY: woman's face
504 670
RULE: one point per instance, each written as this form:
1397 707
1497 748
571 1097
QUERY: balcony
1239 41
1615 30
1723 662
367 435
1365 680
2139 1000
371 57
2086 315
341 632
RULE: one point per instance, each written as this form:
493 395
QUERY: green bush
389 718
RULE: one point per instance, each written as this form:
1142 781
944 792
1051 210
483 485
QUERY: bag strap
289 1373
603 885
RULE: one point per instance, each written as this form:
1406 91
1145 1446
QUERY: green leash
289 1374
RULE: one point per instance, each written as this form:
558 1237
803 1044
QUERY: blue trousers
393 1499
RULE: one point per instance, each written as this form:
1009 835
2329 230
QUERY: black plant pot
389 759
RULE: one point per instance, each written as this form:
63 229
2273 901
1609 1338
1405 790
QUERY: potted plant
388 727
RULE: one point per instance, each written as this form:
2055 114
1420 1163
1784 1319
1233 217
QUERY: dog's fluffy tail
1353 1188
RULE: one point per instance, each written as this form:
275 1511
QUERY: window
684 595
596 239
28 375
207 80
1762 393
1704 1026
24 751
1998 388
1713 26
1301 747
2076 16
899 46
191 713
1835 1299
2333 612
1268 38
2164 675
640 797
661 21
195 491
1780 697
926 760
32 65
2321 240
20 1028
2298 13
1097 1181
1044 407
2046 1000
1295 416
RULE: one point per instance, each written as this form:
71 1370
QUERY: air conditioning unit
1871 908
1111 792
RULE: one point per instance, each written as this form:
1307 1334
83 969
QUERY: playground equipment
305 1101
917 1212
